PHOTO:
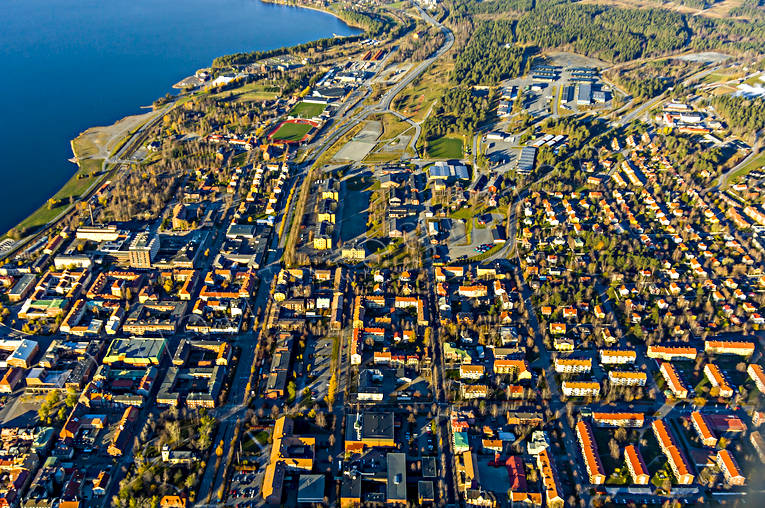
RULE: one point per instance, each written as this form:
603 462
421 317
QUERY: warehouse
584 94
527 160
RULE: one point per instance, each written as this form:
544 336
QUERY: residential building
729 347
729 468
674 383
636 465
677 461
701 426
589 449
580 388
717 380
626 378
604 419
573 365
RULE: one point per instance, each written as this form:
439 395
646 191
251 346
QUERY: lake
72 64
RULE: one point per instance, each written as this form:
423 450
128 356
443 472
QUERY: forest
743 115
417 49
616 34
459 110
489 56
226 61
649 79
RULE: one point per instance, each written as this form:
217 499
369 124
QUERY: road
383 106
236 405
722 180
129 145
568 437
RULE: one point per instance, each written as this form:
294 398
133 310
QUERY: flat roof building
527 160
311 488
135 351
369 430
396 488
584 94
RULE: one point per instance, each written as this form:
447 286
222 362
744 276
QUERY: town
365 271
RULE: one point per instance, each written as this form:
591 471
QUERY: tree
71 396
613 447
174 432
291 391
332 389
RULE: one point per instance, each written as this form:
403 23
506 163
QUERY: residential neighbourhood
306 291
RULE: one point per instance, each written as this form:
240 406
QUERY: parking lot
480 237
502 155
316 362
245 489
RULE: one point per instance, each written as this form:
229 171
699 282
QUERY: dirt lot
718 10
101 142
358 148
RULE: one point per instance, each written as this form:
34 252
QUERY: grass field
445 148
73 189
249 92
755 163
718 10
415 100
307 110
291 132
391 124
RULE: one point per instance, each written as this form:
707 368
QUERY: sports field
445 148
307 110
291 132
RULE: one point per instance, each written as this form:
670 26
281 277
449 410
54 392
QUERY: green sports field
445 148
307 110
291 132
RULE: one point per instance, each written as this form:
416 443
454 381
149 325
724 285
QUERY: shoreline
76 159
314 8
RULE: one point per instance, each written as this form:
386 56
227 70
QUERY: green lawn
72 189
249 92
445 148
755 163
307 110
291 132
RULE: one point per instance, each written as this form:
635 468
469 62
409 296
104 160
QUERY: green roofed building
460 442
136 351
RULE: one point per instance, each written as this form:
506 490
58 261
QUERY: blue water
66 65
